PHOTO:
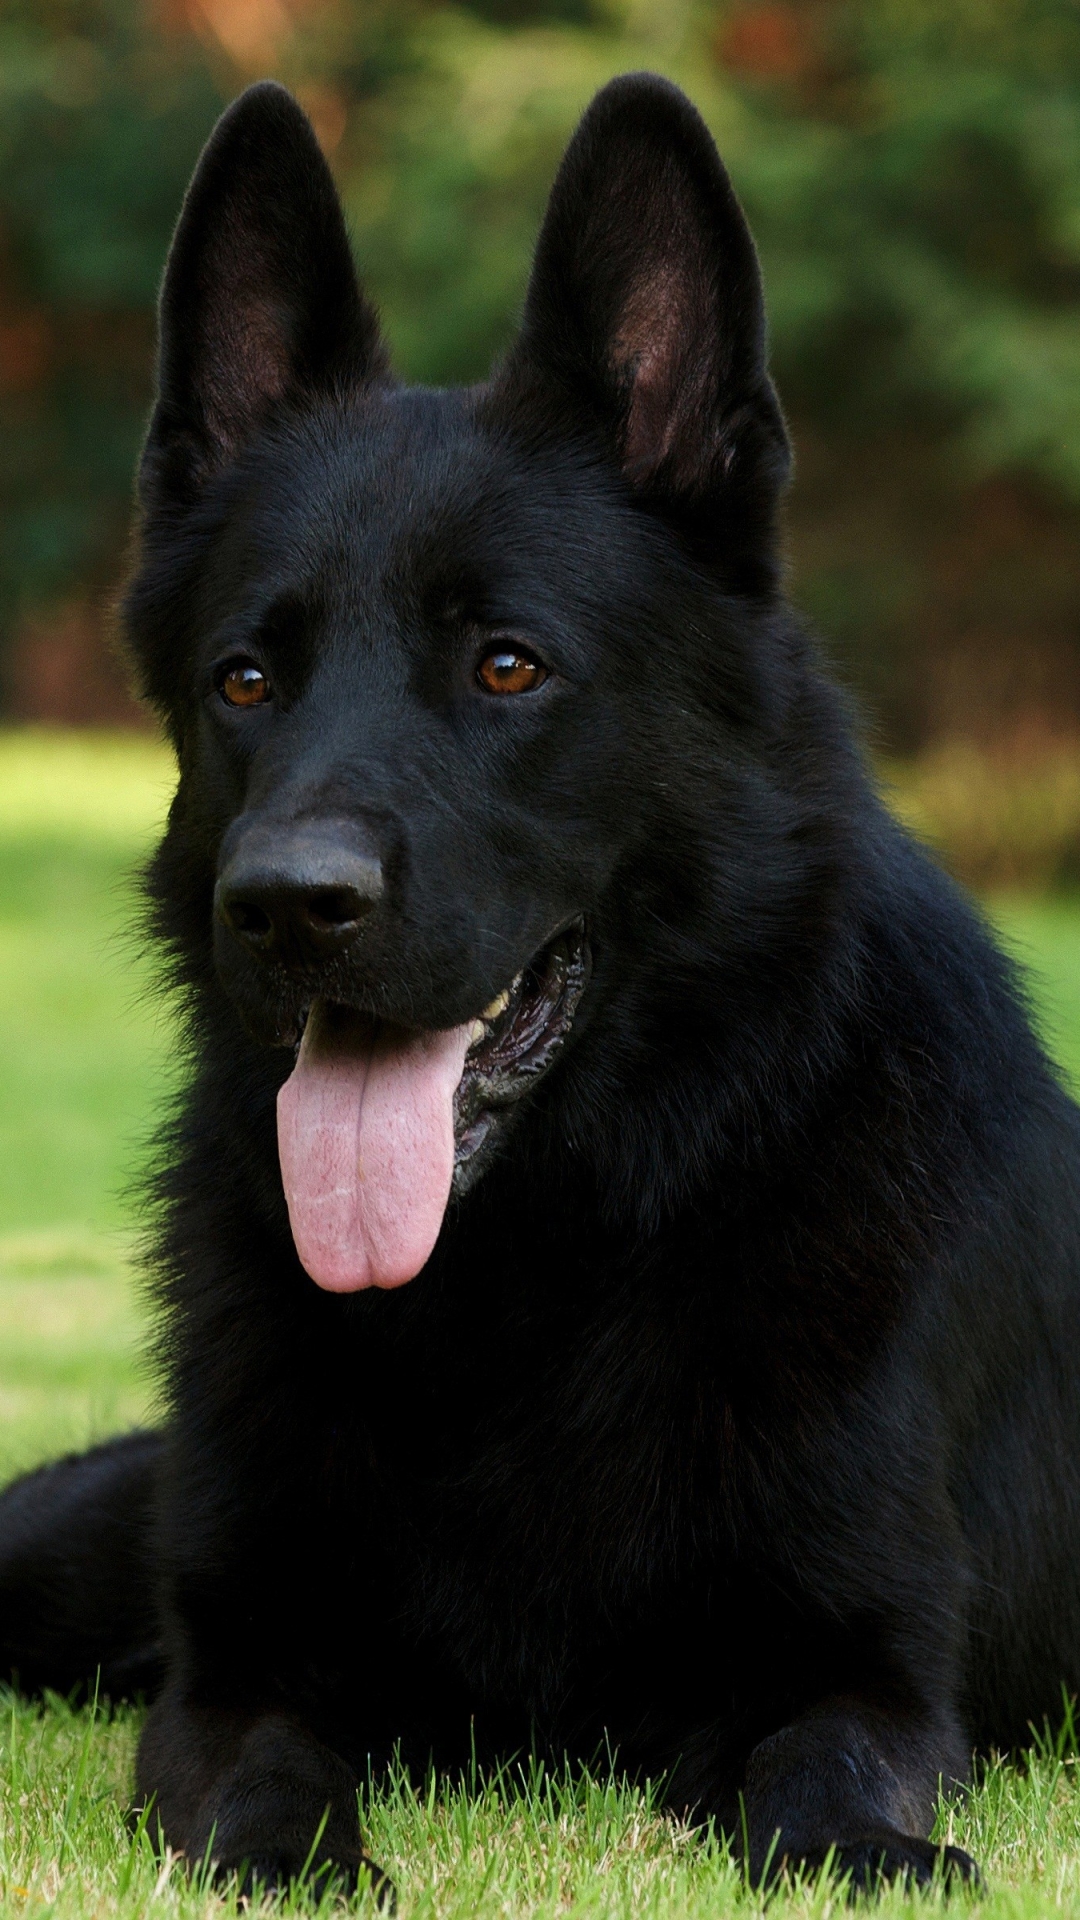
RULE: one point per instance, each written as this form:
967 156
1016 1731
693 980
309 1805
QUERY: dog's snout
300 896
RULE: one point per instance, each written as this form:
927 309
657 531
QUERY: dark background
911 169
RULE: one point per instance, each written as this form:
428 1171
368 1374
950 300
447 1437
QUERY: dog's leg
255 1794
77 1591
851 1780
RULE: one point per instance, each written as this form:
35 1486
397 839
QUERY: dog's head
453 677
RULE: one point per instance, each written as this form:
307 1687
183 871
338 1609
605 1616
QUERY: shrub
1007 817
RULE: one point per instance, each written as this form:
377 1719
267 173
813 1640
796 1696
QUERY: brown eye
510 671
244 685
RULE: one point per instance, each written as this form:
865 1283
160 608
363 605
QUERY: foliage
911 168
100 120
998 819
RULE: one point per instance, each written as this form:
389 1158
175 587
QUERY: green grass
1044 935
527 1847
87 1056
83 1040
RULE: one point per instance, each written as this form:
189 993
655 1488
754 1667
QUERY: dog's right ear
260 302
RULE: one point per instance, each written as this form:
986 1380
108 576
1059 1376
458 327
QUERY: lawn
88 1057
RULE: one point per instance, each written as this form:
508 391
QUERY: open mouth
378 1125
513 1043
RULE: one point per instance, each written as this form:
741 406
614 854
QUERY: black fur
77 1575
734 1419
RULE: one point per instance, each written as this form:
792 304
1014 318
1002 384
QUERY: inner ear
260 301
665 311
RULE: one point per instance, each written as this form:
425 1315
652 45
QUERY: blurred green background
911 169
89 1056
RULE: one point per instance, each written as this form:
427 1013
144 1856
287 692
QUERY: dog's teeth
476 1033
498 1005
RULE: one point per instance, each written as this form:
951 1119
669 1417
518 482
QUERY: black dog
734 1415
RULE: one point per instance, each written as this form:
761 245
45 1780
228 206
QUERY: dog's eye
509 670
244 685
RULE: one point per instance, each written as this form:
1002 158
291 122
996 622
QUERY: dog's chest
556 1488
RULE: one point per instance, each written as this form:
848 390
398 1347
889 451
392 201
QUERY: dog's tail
77 1589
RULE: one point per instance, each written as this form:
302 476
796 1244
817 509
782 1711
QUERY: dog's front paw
275 1840
878 1857
273 1869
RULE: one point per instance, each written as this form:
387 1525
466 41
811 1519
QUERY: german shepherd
619 1264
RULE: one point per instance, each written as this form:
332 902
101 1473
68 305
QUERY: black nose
297 893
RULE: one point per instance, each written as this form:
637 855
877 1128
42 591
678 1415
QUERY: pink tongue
366 1143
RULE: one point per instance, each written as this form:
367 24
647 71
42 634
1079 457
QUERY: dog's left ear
645 308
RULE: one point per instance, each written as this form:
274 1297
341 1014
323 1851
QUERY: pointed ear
260 301
645 308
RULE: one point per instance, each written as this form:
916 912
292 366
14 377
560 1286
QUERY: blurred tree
912 172
102 113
